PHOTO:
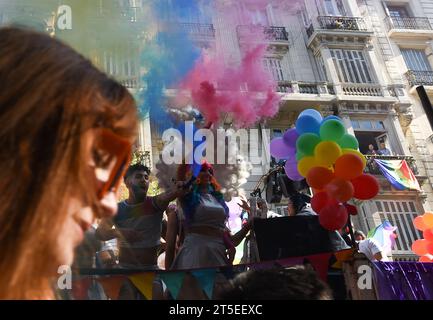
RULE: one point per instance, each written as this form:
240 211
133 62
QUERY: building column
378 69
429 52
347 123
331 70
352 8
399 136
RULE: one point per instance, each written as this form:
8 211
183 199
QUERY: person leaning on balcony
57 115
371 151
383 150
369 247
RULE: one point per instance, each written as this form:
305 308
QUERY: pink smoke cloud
247 92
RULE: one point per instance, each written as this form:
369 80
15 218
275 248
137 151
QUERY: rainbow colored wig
190 201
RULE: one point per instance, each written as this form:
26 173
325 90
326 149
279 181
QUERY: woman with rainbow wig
204 212
207 243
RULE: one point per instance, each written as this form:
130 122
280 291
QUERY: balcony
297 94
130 83
362 90
409 27
419 78
372 168
199 30
276 37
342 23
200 33
338 26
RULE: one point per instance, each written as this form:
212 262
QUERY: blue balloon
308 124
332 118
312 113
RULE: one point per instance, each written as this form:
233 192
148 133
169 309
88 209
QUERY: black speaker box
279 238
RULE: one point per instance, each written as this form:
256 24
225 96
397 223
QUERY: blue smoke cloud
168 58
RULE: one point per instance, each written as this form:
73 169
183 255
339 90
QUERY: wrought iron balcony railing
338 23
373 168
412 23
419 78
197 29
270 33
342 23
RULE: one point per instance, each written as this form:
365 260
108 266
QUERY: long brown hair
50 96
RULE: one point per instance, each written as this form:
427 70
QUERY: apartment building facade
359 59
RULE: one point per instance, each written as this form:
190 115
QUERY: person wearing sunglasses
66 131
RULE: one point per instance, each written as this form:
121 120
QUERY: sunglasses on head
112 155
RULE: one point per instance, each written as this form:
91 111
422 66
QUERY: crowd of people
70 129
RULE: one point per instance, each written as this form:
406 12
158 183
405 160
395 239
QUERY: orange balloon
340 189
428 234
319 177
428 220
419 247
348 167
429 247
419 223
426 259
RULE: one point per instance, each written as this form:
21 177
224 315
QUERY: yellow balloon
305 165
428 220
357 153
326 153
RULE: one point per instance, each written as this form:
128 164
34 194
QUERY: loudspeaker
273 189
279 238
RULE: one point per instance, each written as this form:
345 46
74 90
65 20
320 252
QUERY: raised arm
241 234
164 199
171 236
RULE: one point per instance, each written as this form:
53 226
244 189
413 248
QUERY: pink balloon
279 149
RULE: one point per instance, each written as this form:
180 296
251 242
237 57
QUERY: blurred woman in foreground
66 131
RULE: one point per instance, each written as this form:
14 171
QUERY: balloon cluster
322 151
424 247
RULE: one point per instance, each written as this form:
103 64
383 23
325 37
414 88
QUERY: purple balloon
292 172
279 149
290 137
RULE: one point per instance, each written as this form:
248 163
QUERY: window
259 17
368 132
274 67
334 8
398 12
321 68
400 214
416 60
277 133
351 65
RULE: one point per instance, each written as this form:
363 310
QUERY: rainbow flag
398 174
384 236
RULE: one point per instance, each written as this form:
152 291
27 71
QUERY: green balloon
332 130
306 143
349 142
299 156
